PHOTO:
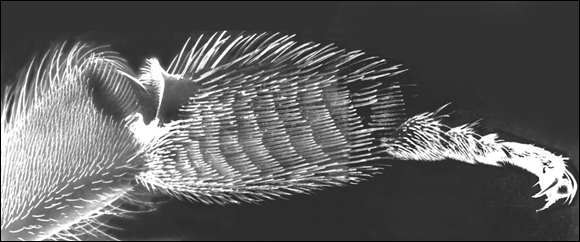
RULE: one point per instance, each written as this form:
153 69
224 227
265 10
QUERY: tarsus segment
424 137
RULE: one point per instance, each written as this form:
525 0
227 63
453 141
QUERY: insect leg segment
424 137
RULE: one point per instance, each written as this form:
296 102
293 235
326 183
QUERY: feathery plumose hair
234 118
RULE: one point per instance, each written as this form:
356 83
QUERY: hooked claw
564 187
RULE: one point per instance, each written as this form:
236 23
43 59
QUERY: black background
514 64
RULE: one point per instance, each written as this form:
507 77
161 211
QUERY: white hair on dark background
272 118
450 54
